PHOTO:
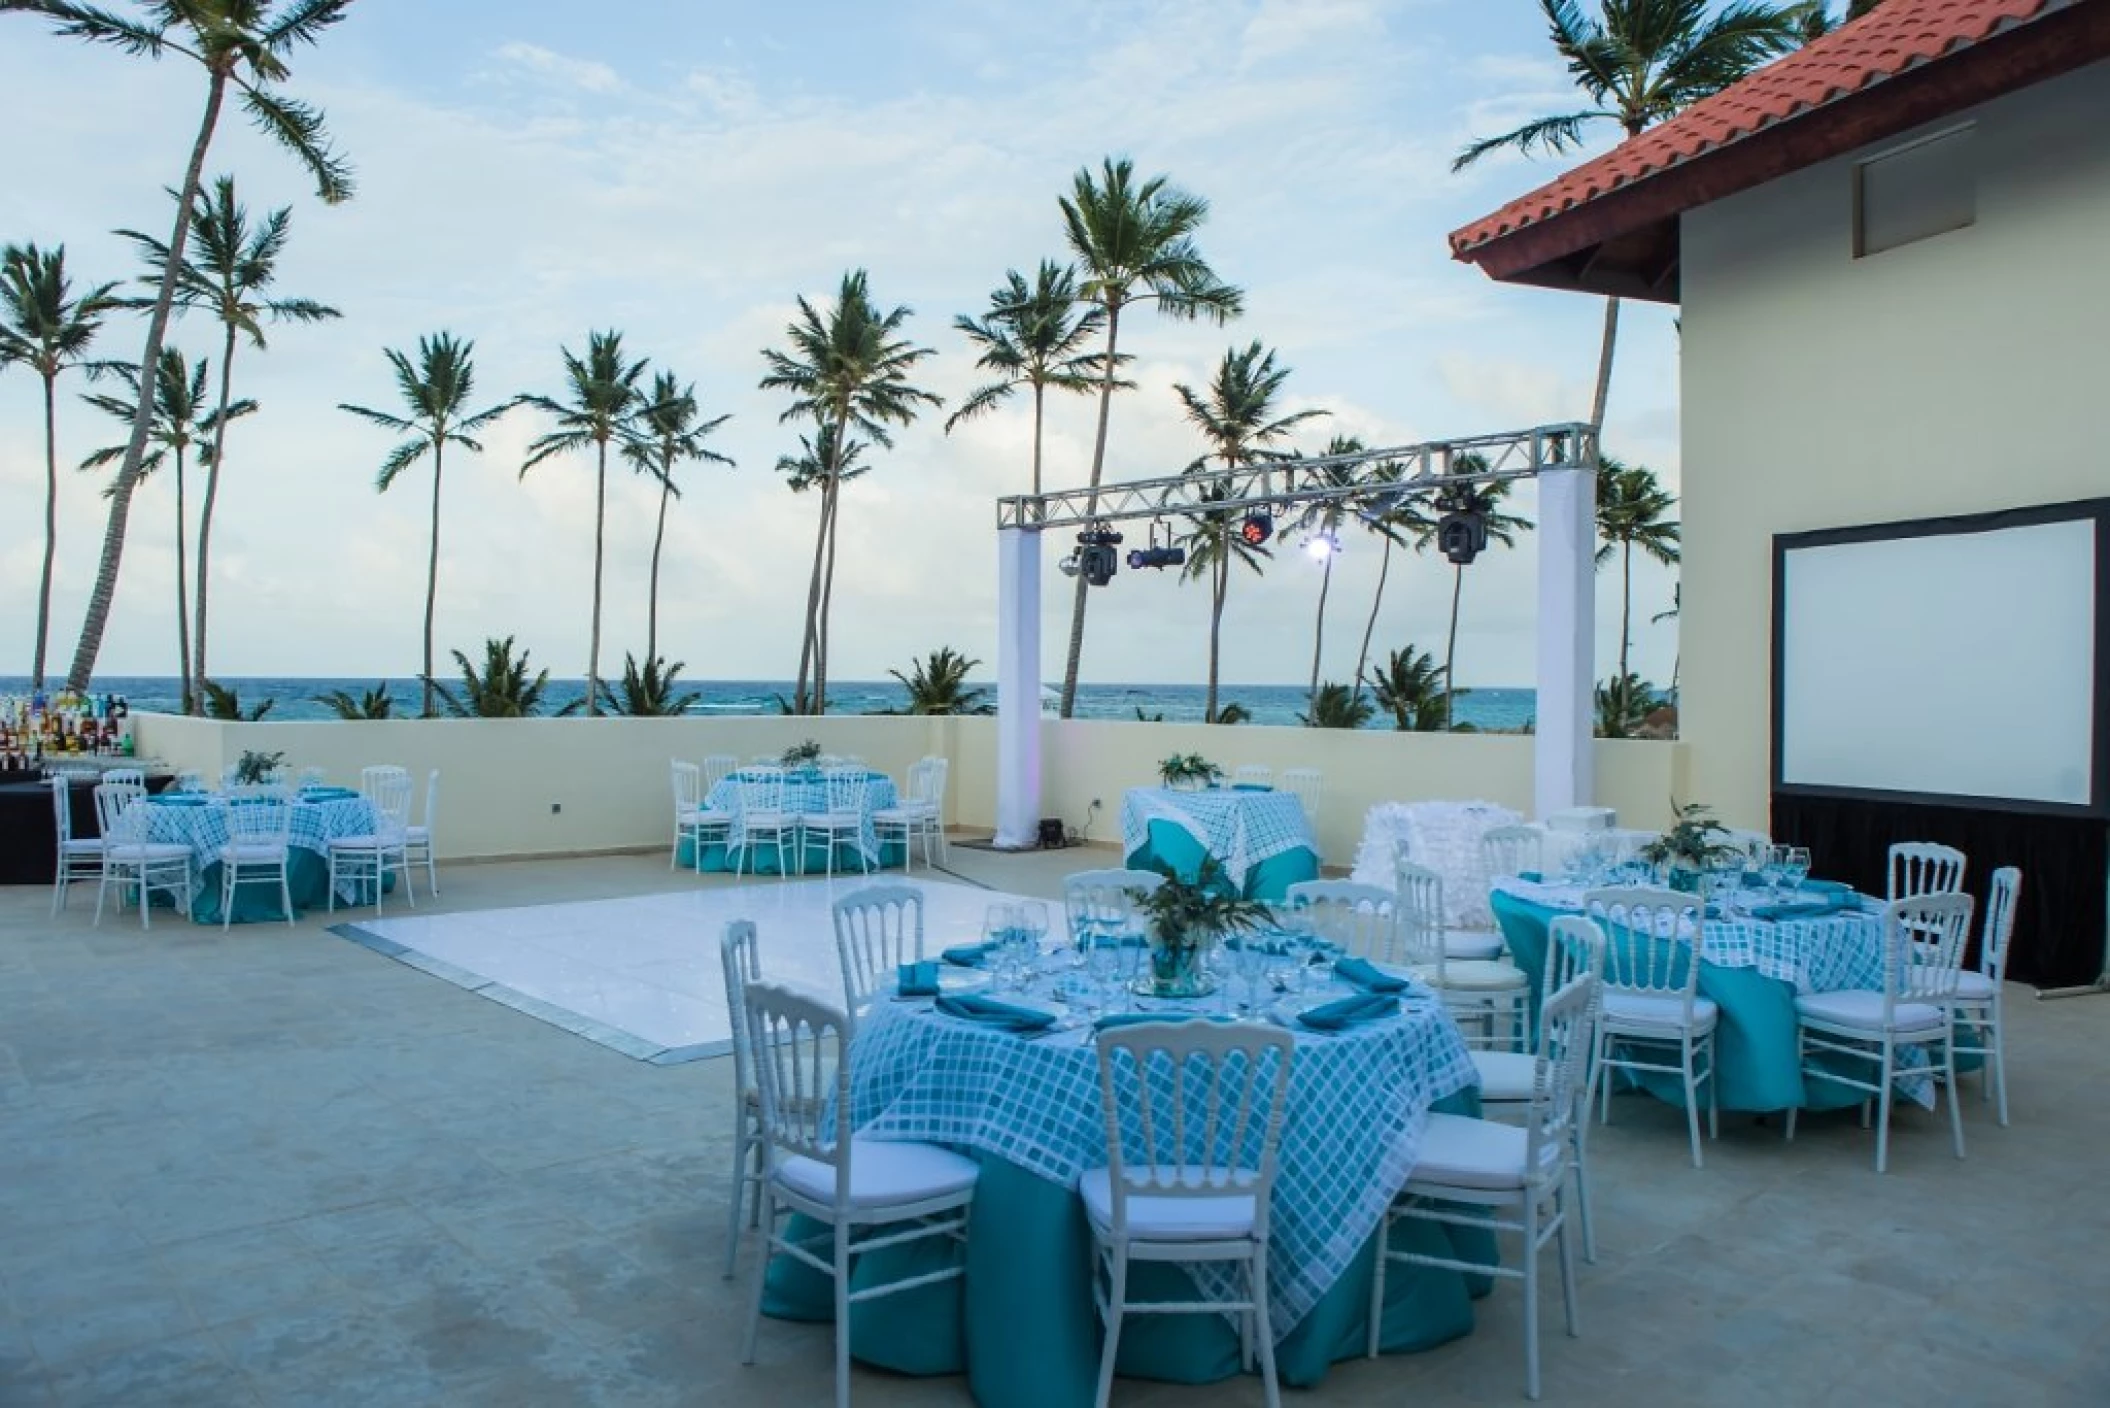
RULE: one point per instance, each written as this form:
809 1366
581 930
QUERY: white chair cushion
1159 1219
1471 944
1505 1076
896 816
833 821
1638 1012
883 1172
418 835
152 852
366 843
77 847
1462 1152
1976 987
252 852
759 821
1477 975
1864 1008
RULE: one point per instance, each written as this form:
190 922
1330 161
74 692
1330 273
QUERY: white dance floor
642 975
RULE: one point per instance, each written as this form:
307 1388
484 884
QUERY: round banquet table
199 821
1021 1323
1753 969
806 795
1260 837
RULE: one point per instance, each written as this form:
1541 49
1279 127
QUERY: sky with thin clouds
530 171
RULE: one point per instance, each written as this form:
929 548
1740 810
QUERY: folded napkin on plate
968 955
1798 909
917 980
1117 941
1837 889
1531 877
327 794
1362 973
1349 1012
1131 1019
990 1012
1251 787
181 799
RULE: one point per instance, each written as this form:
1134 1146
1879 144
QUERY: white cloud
582 74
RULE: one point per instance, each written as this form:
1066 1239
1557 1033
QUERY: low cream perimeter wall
501 777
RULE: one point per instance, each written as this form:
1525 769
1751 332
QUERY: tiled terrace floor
274 1167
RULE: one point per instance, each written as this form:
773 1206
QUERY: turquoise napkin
1835 889
1132 1019
1798 909
1251 787
967 955
990 1012
918 980
327 794
1364 974
1349 1012
1531 877
179 800
1117 941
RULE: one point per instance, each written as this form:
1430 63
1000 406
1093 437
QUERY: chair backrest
846 790
877 928
62 810
378 774
432 802
1106 900
264 821
1421 911
1512 850
686 779
112 801
1309 784
761 788
2000 905
717 767
136 776
800 1047
1193 1110
1363 920
1259 773
936 773
740 954
1924 868
390 793
1559 1084
1575 949
1650 940
1923 944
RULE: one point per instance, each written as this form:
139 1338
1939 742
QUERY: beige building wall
525 787
1960 374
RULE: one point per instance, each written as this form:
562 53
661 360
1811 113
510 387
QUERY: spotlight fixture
1321 546
1095 556
1462 533
1257 528
1069 565
1159 554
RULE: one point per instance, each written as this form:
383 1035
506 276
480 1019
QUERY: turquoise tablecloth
1261 839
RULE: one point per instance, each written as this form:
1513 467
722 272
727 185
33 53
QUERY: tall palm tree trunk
1362 656
1075 658
820 649
1318 635
51 519
659 537
810 639
104 593
1626 605
186 692
1040 395
432 569
212 494
600 523
1450 645
1604 362
1217 587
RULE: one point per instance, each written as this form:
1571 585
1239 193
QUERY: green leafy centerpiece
802 755
1184 918
254 769
1189 772
1689 849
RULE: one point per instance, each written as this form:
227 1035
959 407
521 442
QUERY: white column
1017 688
1567 532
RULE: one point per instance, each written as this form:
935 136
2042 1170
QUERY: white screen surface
1955 664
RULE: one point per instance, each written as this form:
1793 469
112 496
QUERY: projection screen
1950 659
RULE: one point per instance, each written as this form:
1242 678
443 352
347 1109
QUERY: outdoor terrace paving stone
270 1167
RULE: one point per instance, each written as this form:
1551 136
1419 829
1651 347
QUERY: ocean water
294 698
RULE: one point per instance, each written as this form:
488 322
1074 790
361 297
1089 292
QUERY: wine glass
1796 868
999 923
1032 929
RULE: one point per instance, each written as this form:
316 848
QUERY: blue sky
530 171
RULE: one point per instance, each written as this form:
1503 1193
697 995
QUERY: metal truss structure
1375 481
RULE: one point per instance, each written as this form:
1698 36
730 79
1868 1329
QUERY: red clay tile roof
1895 38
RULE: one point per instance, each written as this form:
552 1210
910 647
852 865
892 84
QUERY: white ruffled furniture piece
1445 837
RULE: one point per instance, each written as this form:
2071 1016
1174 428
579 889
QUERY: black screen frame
2096 511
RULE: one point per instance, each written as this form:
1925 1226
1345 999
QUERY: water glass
1031 931
1796 868
999 924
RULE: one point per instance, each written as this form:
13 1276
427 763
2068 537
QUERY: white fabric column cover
1562 775
1017 688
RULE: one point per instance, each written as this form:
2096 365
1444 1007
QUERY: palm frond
299 128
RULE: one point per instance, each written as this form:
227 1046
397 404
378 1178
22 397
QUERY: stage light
1257 529
1321 546
1095 556
1069 565
1462 533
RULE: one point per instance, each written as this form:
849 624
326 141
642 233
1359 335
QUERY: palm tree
1817 19
501 689
1397 518
435 392
1630 513
223 702
648 690
666 433
239 43
45 328
1410 689
1502 529
604 403
1031 337
226 274
1677 608
1236 416
1134 244
181 419
375 703
847 369
940 685
1322 522
1337 706
1645 61
1623 705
